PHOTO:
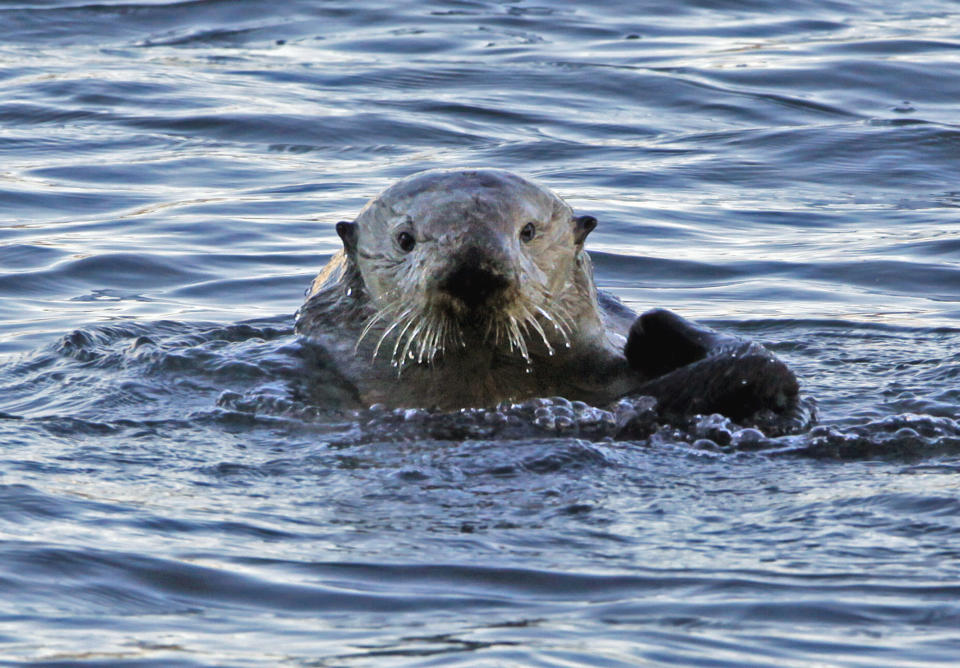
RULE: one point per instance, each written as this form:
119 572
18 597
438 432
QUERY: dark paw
661 341
737 383
693 369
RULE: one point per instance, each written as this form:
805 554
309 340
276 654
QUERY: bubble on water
748 437
545 422
705 444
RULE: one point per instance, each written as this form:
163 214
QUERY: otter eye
406 241
528 232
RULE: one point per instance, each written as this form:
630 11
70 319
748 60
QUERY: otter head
469 257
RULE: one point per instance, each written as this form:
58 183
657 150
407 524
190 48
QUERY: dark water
169 173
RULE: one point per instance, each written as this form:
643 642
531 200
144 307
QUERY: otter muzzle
473 279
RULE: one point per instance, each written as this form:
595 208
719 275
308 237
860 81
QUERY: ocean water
170 173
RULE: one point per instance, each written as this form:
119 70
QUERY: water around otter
172 173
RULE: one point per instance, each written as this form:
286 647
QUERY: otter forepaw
661 341
693 369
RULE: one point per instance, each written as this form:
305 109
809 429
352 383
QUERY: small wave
167 375
904 437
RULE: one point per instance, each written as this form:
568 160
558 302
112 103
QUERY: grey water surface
170 173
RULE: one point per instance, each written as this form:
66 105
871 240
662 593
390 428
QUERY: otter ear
348 234
582 226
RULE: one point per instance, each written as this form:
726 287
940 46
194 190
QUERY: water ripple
180 475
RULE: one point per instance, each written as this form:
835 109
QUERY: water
170 176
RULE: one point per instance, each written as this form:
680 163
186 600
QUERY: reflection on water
171 172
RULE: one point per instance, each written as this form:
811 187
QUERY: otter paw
660 341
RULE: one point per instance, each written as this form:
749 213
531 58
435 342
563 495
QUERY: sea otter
469 287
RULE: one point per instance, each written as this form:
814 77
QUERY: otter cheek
554 272
372 282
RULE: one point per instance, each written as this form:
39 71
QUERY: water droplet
349 292
566 344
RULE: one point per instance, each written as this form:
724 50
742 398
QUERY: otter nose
473 280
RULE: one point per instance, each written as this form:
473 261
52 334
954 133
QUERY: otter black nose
473 283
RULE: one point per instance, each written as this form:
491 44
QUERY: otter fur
469 287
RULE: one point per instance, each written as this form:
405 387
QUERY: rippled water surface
169 176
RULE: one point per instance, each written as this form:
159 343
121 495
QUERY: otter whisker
567 323
442 332
522 321
438 344
457 335
532 319
417 340
433 346
517 340
452 334
556 322
492 331
424 346
508 333
408 345
396 322
373 320
542 300
427 348
399 361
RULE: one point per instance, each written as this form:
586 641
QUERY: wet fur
383 318
410 344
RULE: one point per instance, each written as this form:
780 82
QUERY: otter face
449 257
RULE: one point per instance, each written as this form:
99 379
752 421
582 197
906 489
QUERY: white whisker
374 319
411 339
397 321
400 336
555 321
532 319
